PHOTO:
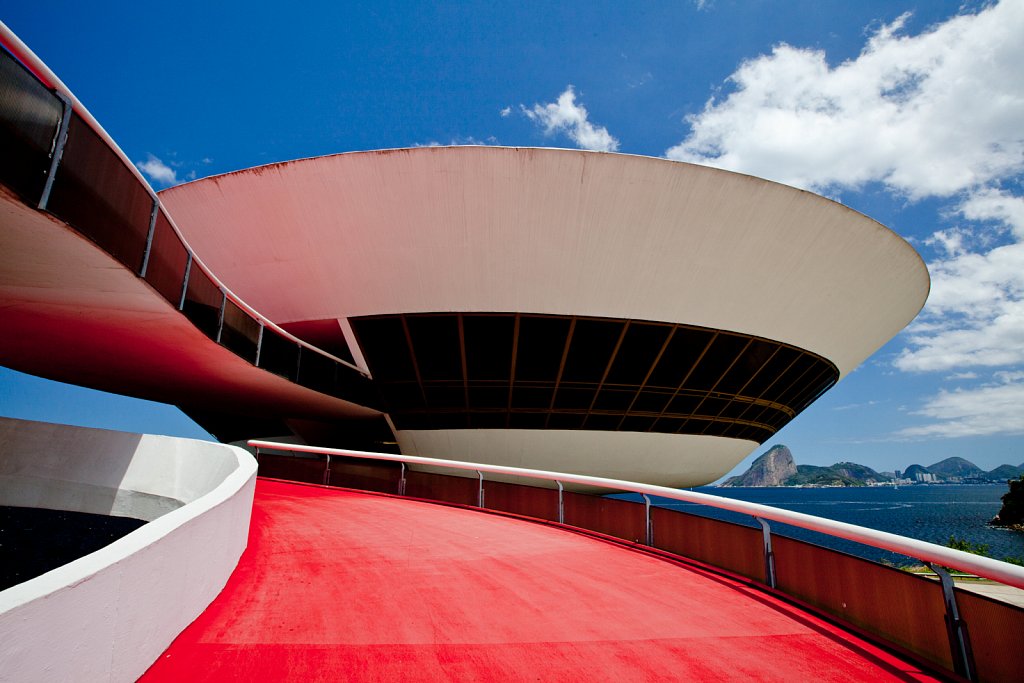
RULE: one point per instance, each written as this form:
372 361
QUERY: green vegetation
956 544
978 549
967 546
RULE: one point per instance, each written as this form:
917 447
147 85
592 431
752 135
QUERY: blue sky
910 112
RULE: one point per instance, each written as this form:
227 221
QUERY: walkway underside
338 585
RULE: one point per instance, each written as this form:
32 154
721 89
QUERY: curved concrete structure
374 237
553 231
605 314
113 611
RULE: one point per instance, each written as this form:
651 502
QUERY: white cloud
931 114
459 141
936 114
569 118
643 80
962 375
975 312
470 140
852 406
505 112
158 171
984 411
992 205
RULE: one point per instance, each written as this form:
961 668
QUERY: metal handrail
41 71
986 567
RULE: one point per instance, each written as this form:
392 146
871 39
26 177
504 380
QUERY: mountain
840 474
812 475
776 467
772 468
915 469
1006 472
861 472
955 467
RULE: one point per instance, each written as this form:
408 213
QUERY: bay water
926 512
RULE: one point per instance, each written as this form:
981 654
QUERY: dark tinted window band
526 371
29 118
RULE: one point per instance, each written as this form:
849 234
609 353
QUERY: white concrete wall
110 473
110 614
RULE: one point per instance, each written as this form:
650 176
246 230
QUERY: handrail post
769 555
220 316
58 150
648 527
480 490
561 503
184 283
327 470
956 628
401 480
149 237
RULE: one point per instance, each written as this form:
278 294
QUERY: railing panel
96 193
365 476
715 542
203 300
279 355
306 470
240 332
521 499
619 518
29 118
905 609
165 271
316 372
458 490
996 630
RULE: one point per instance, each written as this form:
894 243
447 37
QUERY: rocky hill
812 475
840 474
1006 472
772 468
915 469
956 467
1011 514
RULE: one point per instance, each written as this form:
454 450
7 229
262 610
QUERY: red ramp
338 585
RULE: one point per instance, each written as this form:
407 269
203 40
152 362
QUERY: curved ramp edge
109 615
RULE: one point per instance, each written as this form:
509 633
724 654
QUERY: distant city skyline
908 112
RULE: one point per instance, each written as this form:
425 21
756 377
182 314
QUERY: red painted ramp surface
337 585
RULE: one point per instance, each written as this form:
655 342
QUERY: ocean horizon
930 513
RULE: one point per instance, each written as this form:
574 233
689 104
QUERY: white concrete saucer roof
553 231
556 232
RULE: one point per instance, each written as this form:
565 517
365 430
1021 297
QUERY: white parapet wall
110 614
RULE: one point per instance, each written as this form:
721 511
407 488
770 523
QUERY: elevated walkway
341 585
